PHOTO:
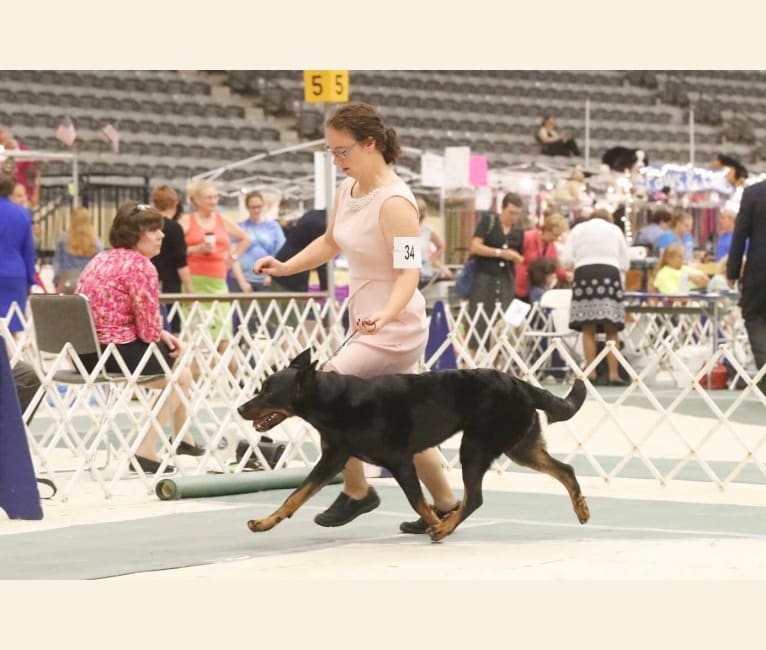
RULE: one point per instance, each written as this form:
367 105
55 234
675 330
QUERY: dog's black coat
384 420
621 158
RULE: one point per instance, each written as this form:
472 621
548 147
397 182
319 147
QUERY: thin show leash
339 348
351 335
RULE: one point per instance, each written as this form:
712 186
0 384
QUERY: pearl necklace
361 202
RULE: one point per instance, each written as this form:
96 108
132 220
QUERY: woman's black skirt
132 353
597 297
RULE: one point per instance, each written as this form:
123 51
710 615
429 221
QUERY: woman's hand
174 345
201 249
245 286
270 266
373 324
511 255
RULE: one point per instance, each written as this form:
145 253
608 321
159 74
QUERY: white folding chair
555 305
63 326
636 252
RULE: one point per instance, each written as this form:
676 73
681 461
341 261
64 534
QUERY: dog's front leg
407 479
475 462
329 464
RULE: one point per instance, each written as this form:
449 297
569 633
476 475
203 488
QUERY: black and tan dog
384 420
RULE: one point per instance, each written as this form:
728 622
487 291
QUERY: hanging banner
682 179
431 170
483 198
320 192
457 167
478 171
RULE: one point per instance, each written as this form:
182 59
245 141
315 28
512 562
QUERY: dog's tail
558 408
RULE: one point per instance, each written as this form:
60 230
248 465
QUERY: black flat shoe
345 509
185 449
149 466
618 382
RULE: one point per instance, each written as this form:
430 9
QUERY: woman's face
19 195
255 208
688 225
550 234
348 154
510 214
149 242
206 200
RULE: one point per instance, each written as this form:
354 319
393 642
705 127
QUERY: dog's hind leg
531 452
329 464
407 478
475 461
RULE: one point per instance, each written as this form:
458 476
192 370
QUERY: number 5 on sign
325 85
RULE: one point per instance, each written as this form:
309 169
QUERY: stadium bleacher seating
174 124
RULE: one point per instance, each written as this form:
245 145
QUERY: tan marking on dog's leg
287 509
581 509
538 458
424 509
447 525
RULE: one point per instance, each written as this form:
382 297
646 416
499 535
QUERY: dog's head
280 393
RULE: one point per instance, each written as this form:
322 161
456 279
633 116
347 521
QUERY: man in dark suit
305 230
751 226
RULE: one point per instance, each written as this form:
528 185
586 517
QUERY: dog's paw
436 535
259 525
439 531
581 510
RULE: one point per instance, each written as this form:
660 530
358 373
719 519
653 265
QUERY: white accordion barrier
666 425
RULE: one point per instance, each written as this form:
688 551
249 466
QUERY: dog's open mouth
269 421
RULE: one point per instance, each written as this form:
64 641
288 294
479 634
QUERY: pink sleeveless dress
399 345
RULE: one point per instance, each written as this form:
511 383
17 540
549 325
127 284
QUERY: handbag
464 280
271 451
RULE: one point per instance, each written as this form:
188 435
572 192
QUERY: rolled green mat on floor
216 485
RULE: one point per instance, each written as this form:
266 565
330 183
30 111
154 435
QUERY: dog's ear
306 377
303 361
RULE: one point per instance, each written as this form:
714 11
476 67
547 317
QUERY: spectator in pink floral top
123 289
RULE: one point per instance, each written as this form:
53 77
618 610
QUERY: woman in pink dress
372 207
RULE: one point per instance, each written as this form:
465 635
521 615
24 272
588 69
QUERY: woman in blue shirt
680 232
17 251
267 238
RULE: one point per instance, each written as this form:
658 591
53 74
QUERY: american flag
66 133
113 136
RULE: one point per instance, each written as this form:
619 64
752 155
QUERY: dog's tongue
267 422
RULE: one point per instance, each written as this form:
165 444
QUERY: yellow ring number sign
325 85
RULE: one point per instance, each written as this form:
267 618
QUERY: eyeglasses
341 153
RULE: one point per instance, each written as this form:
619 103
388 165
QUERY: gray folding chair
63 326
